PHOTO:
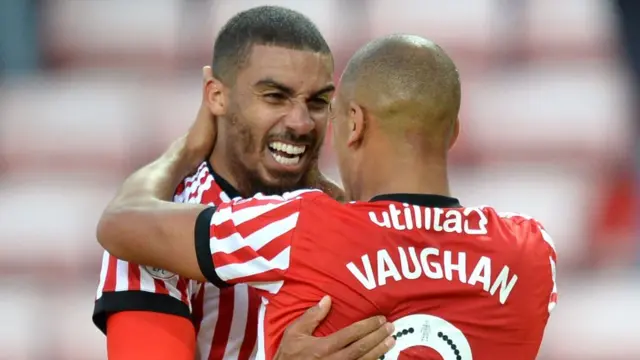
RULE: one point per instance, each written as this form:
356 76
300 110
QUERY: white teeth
294 152
287 148
285 160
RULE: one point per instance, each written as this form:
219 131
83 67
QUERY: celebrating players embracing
268 92
459 283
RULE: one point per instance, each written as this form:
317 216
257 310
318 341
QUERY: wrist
316 179
179 161
331 188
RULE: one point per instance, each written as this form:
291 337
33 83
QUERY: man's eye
319 103
275 97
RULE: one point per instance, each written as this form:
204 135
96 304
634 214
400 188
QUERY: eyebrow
326 89
270 83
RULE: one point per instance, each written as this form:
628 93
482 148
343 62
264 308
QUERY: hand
330 188
201 137
316 179
365 340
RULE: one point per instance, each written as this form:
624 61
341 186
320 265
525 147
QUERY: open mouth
286 154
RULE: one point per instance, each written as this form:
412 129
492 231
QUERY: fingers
357 331
310 320
205 117
207 76
380 349
202 134
207 73
200 139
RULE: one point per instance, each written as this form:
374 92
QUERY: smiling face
276 116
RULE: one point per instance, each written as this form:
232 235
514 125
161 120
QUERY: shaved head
409 85
395 117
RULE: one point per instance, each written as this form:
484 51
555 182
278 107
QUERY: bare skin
280 96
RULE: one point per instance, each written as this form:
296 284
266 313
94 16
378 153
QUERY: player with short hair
268 91
459 283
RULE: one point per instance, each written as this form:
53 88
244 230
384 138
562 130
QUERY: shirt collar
426 200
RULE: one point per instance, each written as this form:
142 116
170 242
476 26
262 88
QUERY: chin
274 183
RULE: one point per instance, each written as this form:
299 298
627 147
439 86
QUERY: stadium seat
569 30
112 33
24 319
579 112
177 102
59 232
463 28
70 122
600 322
57 328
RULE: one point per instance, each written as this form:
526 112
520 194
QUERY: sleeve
549 249
249 240
144 335
541 259
130 287
540 256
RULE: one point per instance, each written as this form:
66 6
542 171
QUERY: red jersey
225 319
459 283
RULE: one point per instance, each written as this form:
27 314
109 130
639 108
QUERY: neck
221 164
411 174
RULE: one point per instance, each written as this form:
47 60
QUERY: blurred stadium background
91 89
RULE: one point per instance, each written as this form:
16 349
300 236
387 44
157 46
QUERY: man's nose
298 120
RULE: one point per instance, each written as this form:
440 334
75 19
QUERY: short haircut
406 81
263 25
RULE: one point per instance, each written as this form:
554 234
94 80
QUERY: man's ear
357 124
214 95
456 133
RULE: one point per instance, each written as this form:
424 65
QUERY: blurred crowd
91 89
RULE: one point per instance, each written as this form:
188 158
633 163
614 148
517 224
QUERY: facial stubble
250 182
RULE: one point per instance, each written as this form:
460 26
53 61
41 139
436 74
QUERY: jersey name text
434 264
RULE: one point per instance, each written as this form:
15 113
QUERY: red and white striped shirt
226 319
475 265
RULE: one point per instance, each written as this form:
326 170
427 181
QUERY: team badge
159 273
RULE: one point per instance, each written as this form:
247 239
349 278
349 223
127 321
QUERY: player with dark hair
264 25
459 283
273 82
270 97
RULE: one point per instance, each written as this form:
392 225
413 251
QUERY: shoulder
527 223
297 196
527 232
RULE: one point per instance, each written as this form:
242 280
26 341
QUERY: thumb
207 73
207 76
201 137
310 320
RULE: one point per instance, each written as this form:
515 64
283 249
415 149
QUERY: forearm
139 225
155 181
